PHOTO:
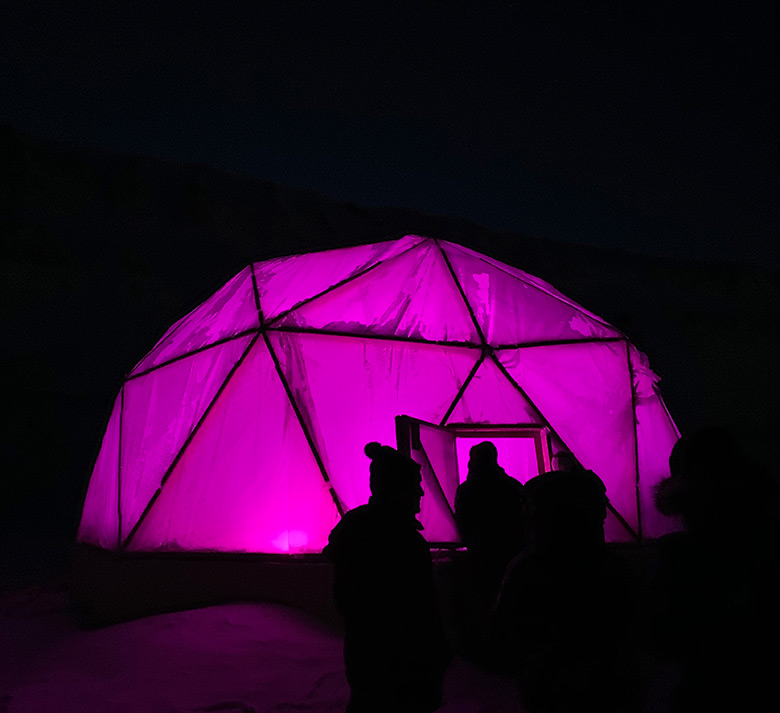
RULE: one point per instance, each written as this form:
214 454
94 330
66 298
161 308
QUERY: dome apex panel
286 282
412 296
526 277
513 311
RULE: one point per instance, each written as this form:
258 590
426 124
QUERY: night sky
643 127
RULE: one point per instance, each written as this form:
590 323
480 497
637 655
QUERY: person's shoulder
361 516
465 489
510 483
348 528
356 513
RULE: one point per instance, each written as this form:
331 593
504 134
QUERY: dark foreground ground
231 658
250 656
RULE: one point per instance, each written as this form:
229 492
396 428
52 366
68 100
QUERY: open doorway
443 455
522 451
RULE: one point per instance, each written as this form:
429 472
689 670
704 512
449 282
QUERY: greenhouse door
443 455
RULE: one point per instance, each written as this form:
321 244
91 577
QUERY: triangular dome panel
437 457
100 518
512 311
350 390
160 410
656 436
491 398
438 521
537 282
412 296
584 391
248 480
285 282
229 311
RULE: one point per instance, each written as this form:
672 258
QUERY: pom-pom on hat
390 470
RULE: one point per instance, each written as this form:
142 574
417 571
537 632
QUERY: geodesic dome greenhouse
243 429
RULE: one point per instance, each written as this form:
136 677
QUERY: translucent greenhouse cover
243 428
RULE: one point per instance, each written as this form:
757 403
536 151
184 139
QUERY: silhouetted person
489 515
563 621
716 593
395 653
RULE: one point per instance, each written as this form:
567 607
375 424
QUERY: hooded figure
394 647
563 622
717 583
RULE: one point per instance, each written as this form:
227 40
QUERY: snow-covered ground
253 657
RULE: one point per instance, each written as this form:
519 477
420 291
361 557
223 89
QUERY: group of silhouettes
550 604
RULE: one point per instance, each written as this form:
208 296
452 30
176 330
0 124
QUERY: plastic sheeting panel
100 518
491 398
510 310
229 311
351 390
439 475
160 411
584 391
537 282
248 480
285 282
656 435
411 296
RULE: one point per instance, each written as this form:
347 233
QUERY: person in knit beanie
394 477
395 653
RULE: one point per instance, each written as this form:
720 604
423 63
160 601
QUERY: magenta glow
243 428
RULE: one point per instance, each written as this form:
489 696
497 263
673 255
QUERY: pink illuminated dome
243 429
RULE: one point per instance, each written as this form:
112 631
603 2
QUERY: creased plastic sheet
99 520
440 480
160 410
229 311
657 435
439 446
513 311
584 391
491 398
285 282
537 282
248 481
411 296
351 390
